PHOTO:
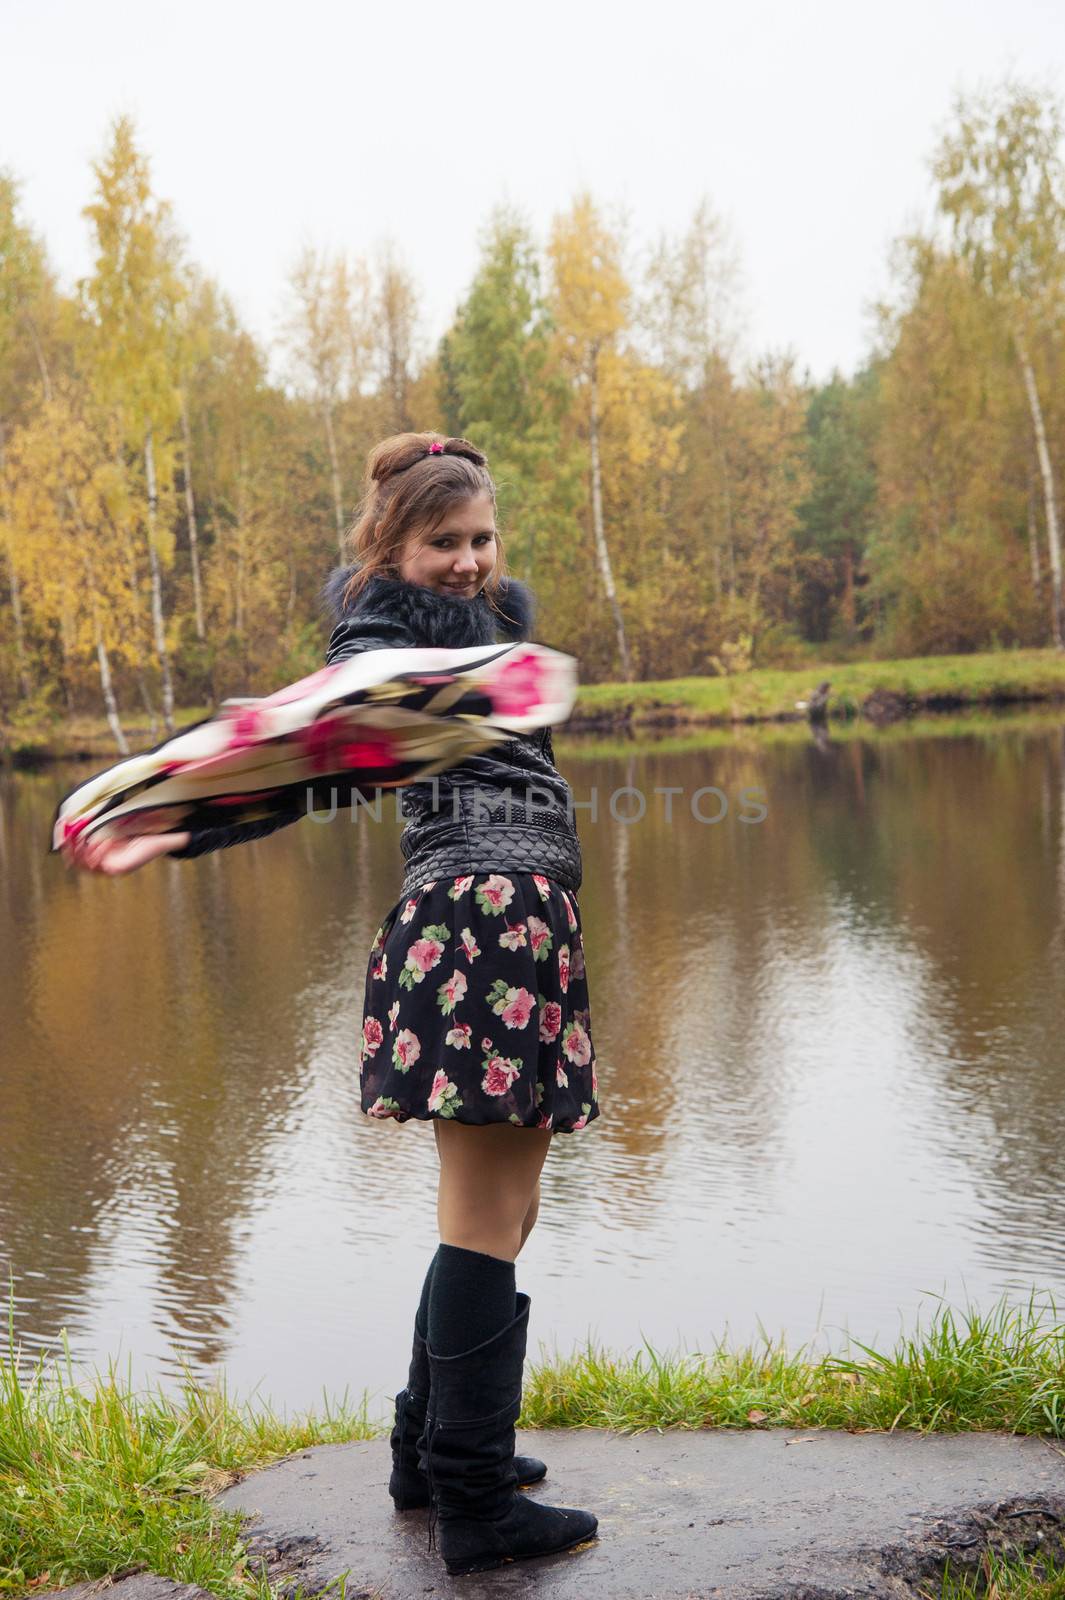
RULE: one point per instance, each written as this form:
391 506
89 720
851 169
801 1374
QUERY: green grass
767 693
110 1480
1003 1370
1002 1578
114 1481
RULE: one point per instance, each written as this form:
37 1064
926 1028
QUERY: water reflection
830 1050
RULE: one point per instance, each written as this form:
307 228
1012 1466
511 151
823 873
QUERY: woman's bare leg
529 1220
489 1184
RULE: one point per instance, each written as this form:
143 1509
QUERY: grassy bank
924 684
972 722
109 1480
85 736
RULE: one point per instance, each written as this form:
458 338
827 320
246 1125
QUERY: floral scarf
383 718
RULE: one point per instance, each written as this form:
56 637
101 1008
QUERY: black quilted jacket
506 810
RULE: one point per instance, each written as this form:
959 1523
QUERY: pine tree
837 517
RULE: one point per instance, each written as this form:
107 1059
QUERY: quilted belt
497 847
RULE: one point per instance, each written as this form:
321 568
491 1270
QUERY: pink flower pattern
444 1095
576 1044
513 984
423 955
326 747
514 1005
495 893
450 993
550 1020
406 1050
516 689
499 1074
247 727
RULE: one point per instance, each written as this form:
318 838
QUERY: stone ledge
733 1514
134 1586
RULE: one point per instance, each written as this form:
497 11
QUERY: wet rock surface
780 1514
134 1586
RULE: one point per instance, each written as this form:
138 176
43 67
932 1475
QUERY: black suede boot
408 1485
467 1453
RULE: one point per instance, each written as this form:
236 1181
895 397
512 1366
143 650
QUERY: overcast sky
807 123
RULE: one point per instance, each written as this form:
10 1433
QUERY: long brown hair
407 487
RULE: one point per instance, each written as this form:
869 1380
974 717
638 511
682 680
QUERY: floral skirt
477 1007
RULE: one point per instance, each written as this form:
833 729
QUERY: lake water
831 1054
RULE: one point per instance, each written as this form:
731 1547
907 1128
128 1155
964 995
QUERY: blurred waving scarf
383 718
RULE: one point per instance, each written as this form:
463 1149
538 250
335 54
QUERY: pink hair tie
436 448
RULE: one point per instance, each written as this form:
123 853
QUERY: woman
476 1010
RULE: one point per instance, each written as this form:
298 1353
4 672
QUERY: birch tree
689 322
54 491
590 305
395 324
199 315
1002 188
327 337
28 312
947 554
131 302
690 309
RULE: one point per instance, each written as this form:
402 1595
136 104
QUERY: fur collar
432 617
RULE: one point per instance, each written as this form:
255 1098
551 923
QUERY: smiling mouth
460 588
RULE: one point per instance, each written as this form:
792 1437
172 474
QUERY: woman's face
457 556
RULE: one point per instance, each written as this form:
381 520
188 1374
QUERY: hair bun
403 450
463 447
394 455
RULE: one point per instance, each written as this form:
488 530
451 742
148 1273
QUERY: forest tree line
169 510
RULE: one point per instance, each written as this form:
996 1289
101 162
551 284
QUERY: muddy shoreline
880 709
